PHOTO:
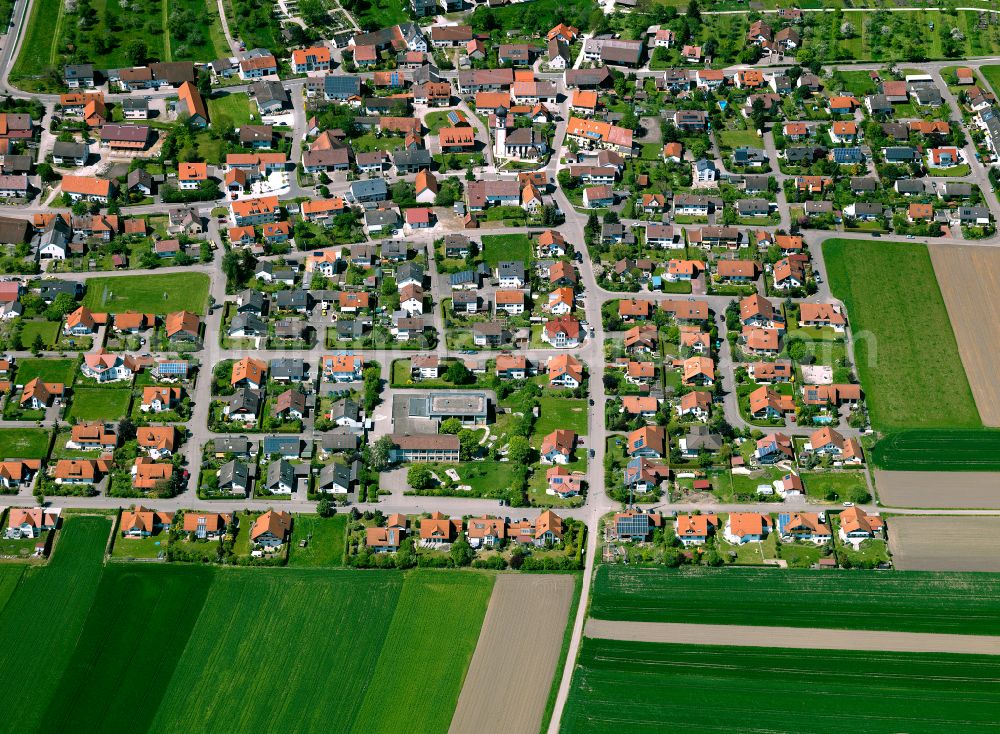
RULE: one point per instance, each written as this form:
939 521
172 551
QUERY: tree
325 508
519 450
380 453
461 552
136 51
452 426
458 374
419 477
37 345
693 11
468 444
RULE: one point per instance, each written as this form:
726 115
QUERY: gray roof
381 218
247 323
412 158
252 301
339 439
288 368
409 270
244 399
270 91
280 472
234 472
368 188
511 269
232 444
345 408
282 445
701 439
339 475
66 149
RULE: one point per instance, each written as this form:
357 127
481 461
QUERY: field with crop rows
49 608
647 687
421 702
938 450
181 648
142 615
956 603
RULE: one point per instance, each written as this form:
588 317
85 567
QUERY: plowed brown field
952 543
515 661
969 278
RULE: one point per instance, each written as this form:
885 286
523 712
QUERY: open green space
105 403
23 443
37 59
375 14
497 247
555 413
140 613
639 686
937 450
833 485
158 294
47 330
991 73
49 370
904 601
904 345
420 702
51 604
234 109
324 538
740 138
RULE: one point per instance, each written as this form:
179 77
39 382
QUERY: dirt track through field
969 278
515 660
954 543
939 490
791 637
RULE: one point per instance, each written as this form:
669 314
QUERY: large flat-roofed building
468 407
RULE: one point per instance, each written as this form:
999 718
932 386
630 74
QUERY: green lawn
637 686
934 450
992 75
819 485
234 109
148 611
555 413
497 247
37 56
326 540
47 330
432 606
904 344
151 547
434 121
104 403
740 138
23 443
148 293
51 604
905 601
857 83
49 370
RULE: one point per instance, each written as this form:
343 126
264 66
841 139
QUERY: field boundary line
805 638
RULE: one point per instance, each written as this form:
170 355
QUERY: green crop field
106 403
497 247
937 450
904 601
905 348
263 648
50 370
326 538
420 702
51 604
640 687
142 615
23 443
10 577
148 293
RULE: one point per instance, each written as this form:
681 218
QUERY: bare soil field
939 490
969 278
954 543
791 637
515 661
